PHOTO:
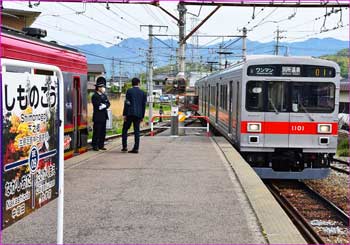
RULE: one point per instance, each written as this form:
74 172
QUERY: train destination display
30 137
291 71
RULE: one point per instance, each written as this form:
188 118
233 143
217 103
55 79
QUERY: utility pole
278 37
120 76
112 70
150 68
220 56
244 44
182 43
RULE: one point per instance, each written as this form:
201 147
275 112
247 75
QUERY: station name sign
278 70
29 144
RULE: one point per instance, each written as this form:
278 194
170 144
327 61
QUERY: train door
235 121
203 100
76 113
230 108
276 125
208 100
217 104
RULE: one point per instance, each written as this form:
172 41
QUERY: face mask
103 90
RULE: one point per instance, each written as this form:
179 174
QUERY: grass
343 148
156 106
117 106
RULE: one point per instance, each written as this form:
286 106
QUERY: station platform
190 189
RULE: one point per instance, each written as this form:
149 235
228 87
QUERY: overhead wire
97 21
119 18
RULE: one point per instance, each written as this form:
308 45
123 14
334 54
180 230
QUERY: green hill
342 58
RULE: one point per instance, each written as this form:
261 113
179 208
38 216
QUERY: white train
279 112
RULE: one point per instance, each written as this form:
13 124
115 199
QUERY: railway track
341 161
318 219
340 166
143 132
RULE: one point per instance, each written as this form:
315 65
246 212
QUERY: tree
126 86
342 58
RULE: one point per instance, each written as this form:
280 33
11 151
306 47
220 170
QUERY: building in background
94 70
192 77
18 19
117 82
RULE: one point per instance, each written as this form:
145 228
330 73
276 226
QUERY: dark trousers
127 124
99 135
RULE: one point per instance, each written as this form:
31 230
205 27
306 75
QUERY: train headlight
324 128
254 127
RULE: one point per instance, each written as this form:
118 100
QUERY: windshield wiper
306 111
273 105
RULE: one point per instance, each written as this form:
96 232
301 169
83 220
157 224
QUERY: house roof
30 16
96 68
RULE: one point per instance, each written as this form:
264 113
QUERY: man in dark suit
100 103
133 113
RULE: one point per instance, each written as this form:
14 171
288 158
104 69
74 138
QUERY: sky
79 23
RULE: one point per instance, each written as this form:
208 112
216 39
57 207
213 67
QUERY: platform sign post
174 120
32 139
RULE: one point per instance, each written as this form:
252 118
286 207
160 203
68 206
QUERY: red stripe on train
289 127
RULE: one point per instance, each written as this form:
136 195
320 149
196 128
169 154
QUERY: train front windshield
313 97
296 97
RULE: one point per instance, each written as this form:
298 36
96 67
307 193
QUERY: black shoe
133 151
124 149
103 149
95 149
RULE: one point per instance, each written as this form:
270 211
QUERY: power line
126 13
317 33
73 32
97 21
233 42
119 17
97 55
268 15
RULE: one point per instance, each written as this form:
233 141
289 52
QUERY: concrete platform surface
176 190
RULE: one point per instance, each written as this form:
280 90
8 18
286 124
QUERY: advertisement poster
30 138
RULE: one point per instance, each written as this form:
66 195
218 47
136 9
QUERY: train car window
277 97
255 96
223 97
313 97
43 72
212 96
17 69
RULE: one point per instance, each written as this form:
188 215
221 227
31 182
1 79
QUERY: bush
343 148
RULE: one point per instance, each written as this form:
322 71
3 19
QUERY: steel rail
307 231
341 161
334 208
340 170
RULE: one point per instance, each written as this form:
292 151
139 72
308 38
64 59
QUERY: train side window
43 72
255 96
223 97
212 96
17 69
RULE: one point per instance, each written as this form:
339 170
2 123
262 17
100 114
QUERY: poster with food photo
29 143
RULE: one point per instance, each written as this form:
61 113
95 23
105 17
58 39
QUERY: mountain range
132 52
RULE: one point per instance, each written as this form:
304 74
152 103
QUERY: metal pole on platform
174 131
150 72
60 201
